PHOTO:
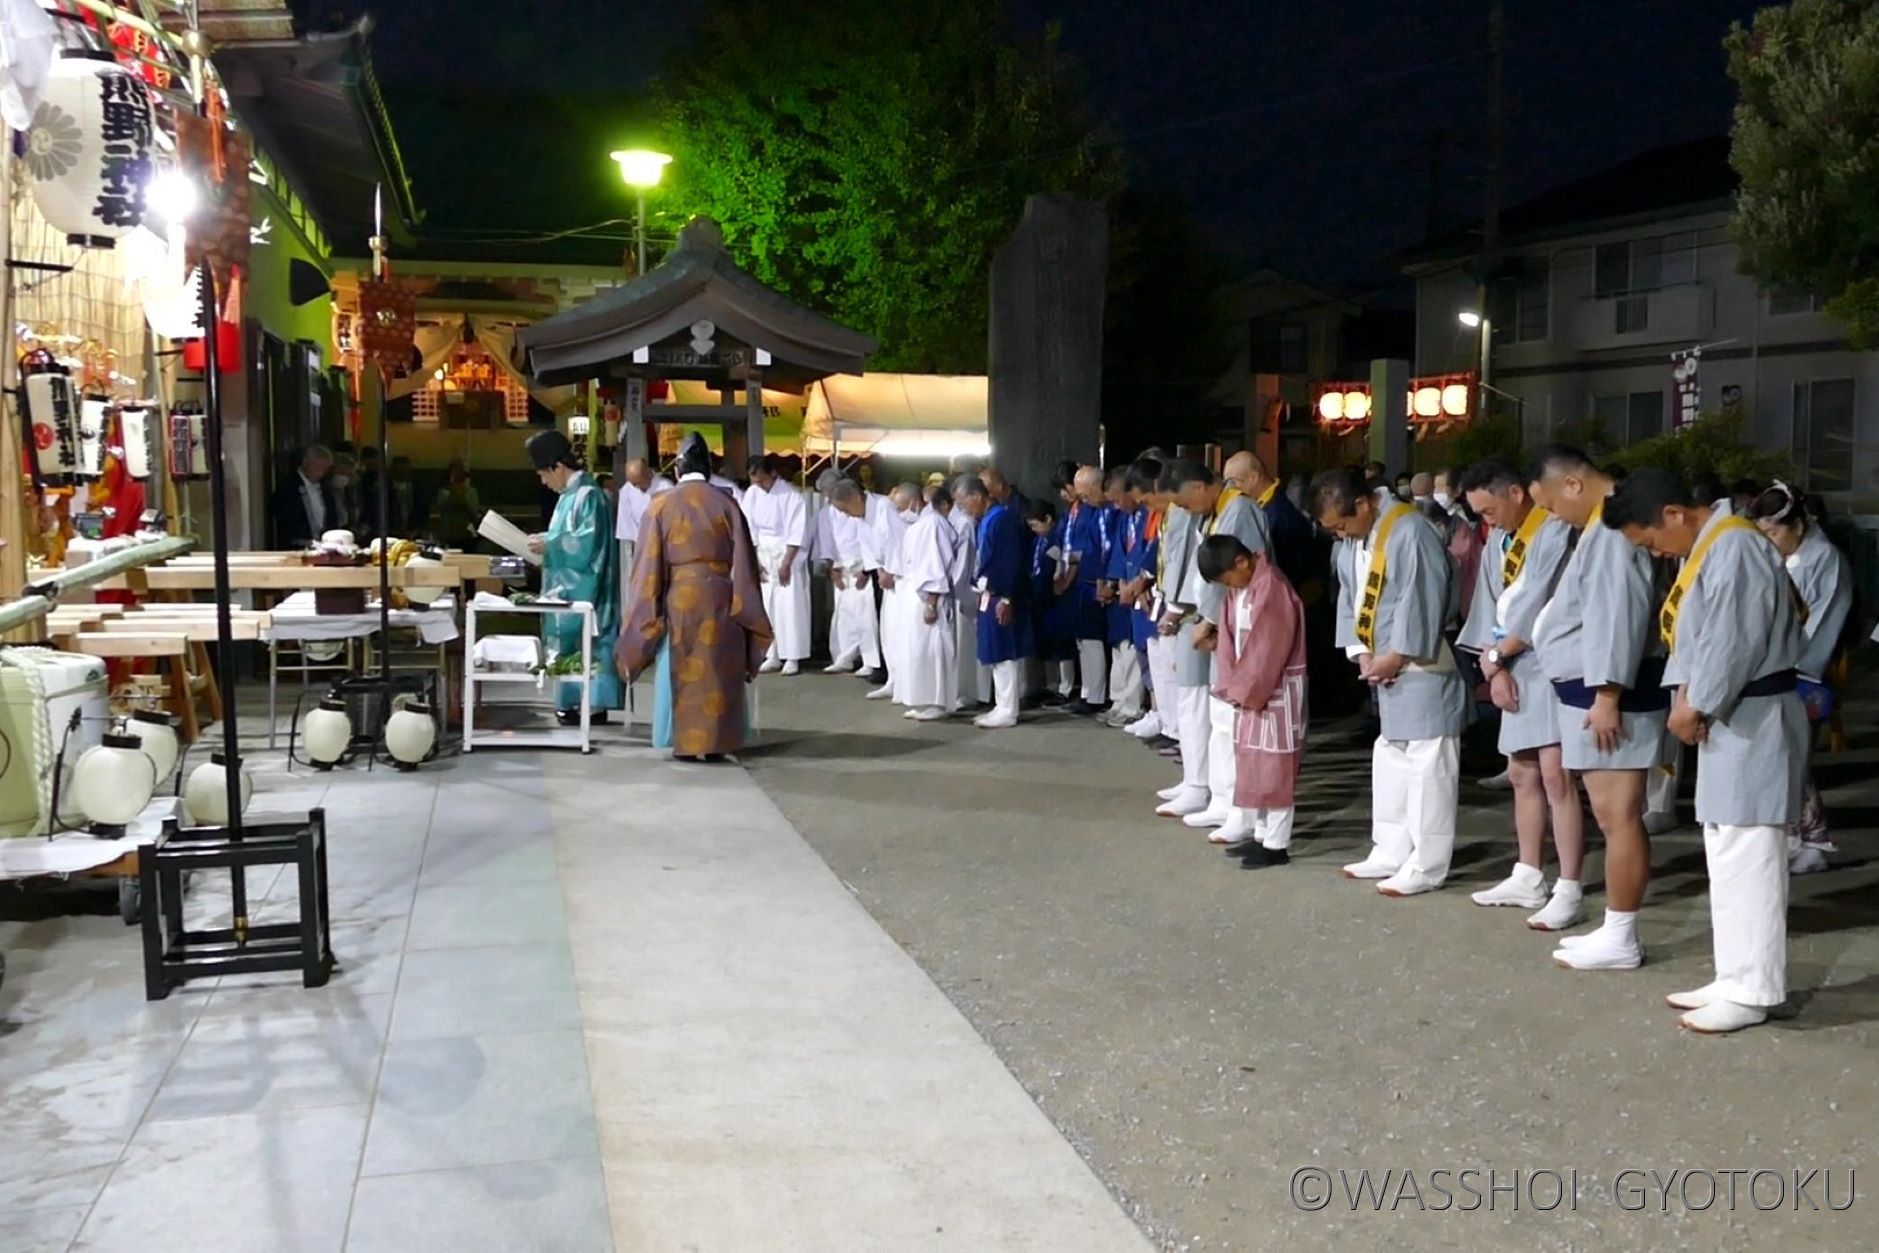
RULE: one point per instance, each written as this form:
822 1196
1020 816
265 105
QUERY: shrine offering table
296 620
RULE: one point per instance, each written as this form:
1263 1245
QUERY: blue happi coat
1004 573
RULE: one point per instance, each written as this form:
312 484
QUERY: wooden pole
15 500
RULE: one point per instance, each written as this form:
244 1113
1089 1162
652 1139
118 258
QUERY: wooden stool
170 648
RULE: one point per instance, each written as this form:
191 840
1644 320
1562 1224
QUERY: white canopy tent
929 416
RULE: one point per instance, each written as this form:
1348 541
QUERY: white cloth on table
296 619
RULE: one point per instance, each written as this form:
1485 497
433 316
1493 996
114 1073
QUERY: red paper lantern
227 350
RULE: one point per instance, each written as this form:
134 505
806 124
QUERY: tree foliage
867 159
1806 145
1713 444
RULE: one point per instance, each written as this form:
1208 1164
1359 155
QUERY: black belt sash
1648 697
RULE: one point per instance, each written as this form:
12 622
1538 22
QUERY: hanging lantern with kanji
388 322
88 151
51 403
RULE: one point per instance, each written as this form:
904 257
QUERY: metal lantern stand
173 954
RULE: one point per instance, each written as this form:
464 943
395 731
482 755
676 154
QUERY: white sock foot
1807 860
1208 818
841 665
1233 830
1192 800
883 692
1169 793
1407 882
927 713
791 668
770 667
1525 888
1565 909
1147 727
1604 949
1370 868
1696 998
1720 1017
995 721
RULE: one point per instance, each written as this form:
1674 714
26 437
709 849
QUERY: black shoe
1083 709
1242 848
876 677
1031 703
572 717
1262 857
1053 700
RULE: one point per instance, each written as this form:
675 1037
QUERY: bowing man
854 627
1187 670
1529 548
1127 519
886 520
974 680
926 680
1397 594
779 527
1259 669
1086 549
1141 546
1598 646
1222 510
1003 581
1733 626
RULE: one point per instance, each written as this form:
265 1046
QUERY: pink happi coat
1261 673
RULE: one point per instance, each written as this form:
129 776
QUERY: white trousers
1271 827
1191 718
788 607
1415 788
975 680
1065 680
1748 911
894 628
1008 686
1094 658
1221 771
857 631
1165 668
1125 678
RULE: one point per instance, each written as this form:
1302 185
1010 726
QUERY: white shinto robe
779 522
927 673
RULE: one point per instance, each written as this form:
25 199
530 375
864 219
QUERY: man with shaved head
1086 548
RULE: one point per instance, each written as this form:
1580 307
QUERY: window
1293 358
1823 433
1520 305
1787 301
1644 265
1630 418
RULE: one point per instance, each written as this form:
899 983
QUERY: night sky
1302 132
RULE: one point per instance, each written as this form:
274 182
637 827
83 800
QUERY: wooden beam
240 629
107 644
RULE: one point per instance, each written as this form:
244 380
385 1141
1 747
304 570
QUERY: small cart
580 736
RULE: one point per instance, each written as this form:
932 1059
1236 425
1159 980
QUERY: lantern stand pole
218 524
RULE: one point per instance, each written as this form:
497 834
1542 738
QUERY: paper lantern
52 417
94 421
388 323
157 733
227 350
88 152
188 446
205 796
134 434
1427 402
112 783
1455 400
1331 406
327 733
1356 406
410 733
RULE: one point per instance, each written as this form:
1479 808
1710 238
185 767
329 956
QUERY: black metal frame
174 955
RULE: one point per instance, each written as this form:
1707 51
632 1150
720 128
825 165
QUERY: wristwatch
1493 657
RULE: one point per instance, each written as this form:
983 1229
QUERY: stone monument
1046 340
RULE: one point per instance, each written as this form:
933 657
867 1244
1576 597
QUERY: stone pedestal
1046 341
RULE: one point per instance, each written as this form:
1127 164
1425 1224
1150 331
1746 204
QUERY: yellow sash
1265 497
1227 497
1373 584
1515 558
1686 579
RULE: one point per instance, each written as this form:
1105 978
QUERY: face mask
1445 500
910 515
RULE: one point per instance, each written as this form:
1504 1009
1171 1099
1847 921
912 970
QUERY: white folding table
580 736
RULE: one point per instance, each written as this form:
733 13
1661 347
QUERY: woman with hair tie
1825 582
696 613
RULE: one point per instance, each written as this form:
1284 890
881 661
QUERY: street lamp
642 169
1475 320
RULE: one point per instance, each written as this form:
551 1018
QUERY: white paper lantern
94 419
1455 400
1428 402
205 796
410 733
157 733
188 446
1356 406
327 733
424 559
112 782
52 410
88 152
134 426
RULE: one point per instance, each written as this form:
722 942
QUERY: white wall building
1607 277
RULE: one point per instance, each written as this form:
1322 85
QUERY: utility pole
1491 191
